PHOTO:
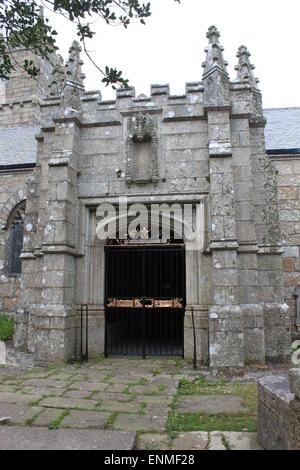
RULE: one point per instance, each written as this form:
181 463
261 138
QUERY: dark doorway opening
145 300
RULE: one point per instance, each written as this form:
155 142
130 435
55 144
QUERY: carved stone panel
141 150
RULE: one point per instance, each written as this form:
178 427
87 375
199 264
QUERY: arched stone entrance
145 298
195 292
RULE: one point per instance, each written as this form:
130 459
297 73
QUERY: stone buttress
49 252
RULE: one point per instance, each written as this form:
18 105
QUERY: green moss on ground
235 422
6 327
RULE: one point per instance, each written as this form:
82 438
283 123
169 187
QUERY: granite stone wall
12 192
288 168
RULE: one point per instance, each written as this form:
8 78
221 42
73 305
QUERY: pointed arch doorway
145 299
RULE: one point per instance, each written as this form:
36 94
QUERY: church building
67 157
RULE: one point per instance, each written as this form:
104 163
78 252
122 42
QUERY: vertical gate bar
144 301
87 334
140 316
127 338
143 315
169 292
105 302
112 293
178 292
81 334
183 294
153 296
159 311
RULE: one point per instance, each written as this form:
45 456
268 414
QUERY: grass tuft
57 422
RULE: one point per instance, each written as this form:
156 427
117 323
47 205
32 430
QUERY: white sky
170 48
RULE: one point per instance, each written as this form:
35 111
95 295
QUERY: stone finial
73 87
41 11
215 78
214 53
245 68
58 77
74 64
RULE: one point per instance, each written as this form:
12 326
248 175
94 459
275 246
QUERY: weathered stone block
226 336
279 424
277 331
294 377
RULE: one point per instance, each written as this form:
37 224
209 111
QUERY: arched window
15 228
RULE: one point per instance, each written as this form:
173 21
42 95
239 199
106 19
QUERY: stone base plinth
254 334
96 332
201 333
277 331
226 336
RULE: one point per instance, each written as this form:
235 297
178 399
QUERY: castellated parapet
206 147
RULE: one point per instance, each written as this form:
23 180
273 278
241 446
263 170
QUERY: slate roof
18 145
283 129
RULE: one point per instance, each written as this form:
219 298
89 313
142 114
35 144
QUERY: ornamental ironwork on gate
145 300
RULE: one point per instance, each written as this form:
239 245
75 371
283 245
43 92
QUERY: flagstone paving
164 403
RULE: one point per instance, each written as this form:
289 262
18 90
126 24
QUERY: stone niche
141 150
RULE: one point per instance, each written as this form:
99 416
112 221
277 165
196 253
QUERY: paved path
31 438
127 396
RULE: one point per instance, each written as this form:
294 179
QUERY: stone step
30 438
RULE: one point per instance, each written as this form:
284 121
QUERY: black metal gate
145 300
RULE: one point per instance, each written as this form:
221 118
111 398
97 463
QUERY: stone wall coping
278 386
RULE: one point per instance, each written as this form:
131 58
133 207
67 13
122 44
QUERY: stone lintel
27 255
220 149
58 162
250 247
104 123
240 115
224 245
51 101
158 89
125 93
62 249
270 250
257 121
225 107
75 117
108 103
199 117
177 97
48 126
137 109
194 87
92 96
